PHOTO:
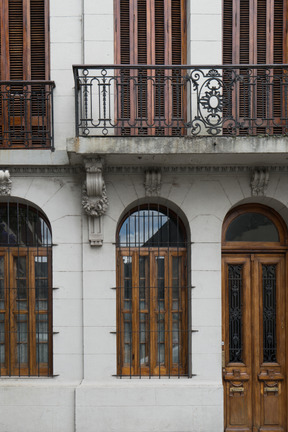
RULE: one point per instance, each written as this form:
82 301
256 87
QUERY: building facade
143 216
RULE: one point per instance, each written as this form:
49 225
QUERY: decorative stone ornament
259 181
94 199
5 183
152 183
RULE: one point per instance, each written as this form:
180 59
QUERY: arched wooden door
254 280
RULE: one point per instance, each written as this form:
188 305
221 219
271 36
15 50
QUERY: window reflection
148 228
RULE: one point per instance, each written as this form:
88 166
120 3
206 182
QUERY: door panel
254 342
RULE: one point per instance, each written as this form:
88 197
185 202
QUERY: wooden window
24 50
151 32
25 292
152 297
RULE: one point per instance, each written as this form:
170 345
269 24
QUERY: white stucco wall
85 392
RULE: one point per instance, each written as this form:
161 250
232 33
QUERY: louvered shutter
157 36
253 33
24 48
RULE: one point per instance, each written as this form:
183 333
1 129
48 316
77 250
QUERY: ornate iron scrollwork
269 313
235 281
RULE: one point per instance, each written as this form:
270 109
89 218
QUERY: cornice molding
193 169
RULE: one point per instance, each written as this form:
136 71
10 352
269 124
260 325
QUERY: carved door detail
254 358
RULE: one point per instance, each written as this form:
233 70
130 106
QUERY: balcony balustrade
140 100
26 114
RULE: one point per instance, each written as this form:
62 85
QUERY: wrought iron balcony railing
142 100
26 114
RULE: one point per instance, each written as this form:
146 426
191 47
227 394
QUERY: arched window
25 291
152 295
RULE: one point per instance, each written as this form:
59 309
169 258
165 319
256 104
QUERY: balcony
246 100
26 115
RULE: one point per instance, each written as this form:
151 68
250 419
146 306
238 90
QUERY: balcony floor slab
163 151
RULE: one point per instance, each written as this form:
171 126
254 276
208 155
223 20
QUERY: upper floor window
24 48
25 292
152 294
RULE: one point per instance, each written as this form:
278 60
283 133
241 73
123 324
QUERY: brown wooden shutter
142 24
227 32
16 43
124 24
150 32
37 29
25 57
254 31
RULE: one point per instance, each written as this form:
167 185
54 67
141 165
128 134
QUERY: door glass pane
269 313
21 285
254 227
235 281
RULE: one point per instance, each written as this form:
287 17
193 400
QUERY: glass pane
161 338
143 282
42 328
127 264
176 269
235 279
22 338
252 227
41 266
22 356
42 353
2 328
2 354
143 339
2 338
20 276
269 313
22 328
160 281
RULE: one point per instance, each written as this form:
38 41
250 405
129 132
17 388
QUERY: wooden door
254 351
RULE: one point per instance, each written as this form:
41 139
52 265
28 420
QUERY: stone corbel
259 181
152 183
94 199
5 183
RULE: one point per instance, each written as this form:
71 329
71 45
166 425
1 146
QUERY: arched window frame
255 208
25 298
151 254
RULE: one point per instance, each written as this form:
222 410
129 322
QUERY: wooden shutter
24 49
150 32
24 40
254 31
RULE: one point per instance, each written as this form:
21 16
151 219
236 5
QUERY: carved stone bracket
5 183
259 181
152 182
94 199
